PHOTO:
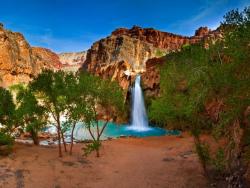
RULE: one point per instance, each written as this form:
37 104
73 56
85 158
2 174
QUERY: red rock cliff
19 62
126 52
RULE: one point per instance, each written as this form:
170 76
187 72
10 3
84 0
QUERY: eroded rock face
72 61
115 49
151 78
163 40
45 58
19 62
127 52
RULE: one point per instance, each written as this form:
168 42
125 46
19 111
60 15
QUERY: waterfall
139 116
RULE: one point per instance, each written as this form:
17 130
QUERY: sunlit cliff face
19 62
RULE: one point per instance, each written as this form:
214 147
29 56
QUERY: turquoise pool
113 130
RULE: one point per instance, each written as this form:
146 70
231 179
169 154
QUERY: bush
208 90
93 146
6 143
202 150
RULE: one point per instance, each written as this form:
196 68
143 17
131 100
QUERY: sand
167 161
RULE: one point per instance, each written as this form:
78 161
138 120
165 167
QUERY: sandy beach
166 161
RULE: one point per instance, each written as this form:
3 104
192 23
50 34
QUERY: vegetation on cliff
204 88
208 89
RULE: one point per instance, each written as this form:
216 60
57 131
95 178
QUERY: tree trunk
34 137
64 144
72 138
197 142
59 136
97 152
99 134
59 141
98 147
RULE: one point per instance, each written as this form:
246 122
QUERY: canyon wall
72 61
19 62
127 52
120 56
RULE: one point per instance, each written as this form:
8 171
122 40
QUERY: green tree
102 95
49 87
30 114
75 102
184 86
7 110
7 120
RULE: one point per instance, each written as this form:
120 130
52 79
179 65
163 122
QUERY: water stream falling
139 126
139 116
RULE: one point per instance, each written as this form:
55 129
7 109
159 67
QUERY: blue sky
73 25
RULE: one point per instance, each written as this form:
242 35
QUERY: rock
120 56
115 49
159 39
45 58
72 61
19 62
127 52
151 78
202 31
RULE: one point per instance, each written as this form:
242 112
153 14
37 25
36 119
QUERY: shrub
209 89
6 143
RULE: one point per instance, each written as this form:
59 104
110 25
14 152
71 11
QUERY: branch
91 134
51 111
219 57
97 128
104 126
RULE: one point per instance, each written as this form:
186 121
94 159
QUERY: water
139 116
112 130
139 126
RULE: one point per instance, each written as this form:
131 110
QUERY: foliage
183 88
6 139
94 146
100 95
79 98
185 46
7 110
49 88
203 152
6 143
30 114
159 53
196 80
237 18
219 160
